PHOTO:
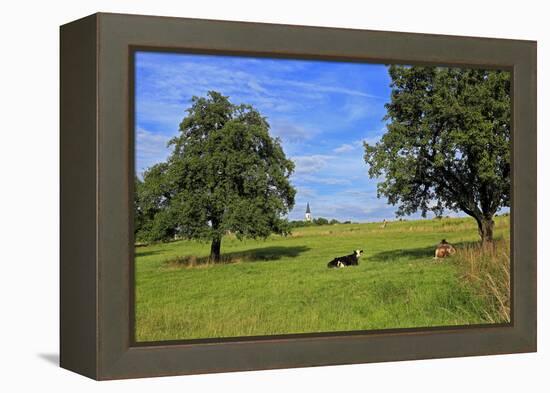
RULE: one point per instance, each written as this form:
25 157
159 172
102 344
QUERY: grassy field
282 285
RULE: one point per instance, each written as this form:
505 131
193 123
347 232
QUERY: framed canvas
243 196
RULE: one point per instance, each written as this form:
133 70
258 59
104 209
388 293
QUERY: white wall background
29 193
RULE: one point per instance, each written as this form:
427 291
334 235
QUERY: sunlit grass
282 285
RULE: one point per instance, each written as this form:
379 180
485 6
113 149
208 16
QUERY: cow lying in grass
348 260
444 249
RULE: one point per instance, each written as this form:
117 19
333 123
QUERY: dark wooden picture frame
97 169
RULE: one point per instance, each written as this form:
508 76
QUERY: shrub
320 221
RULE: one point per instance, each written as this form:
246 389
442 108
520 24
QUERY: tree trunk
485 226
215 249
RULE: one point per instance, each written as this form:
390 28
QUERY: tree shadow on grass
140 253
264 254
413 253
409 253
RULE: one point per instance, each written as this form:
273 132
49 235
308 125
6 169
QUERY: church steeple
308 213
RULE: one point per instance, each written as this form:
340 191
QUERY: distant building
308 213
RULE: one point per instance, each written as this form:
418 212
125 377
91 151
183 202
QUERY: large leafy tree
153 220
447 144
225 174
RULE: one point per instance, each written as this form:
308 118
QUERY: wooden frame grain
96 267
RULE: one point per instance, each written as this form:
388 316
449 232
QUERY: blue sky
321 111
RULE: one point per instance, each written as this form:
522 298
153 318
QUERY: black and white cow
348 260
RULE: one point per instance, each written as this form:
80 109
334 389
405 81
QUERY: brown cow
444 249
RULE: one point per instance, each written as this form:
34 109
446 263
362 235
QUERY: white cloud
344 148
322 179
289 131
308 192
167 115
310 164
256 87
374 137
357 109
151 148
321 88
345 169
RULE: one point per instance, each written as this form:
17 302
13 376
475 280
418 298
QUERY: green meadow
282 285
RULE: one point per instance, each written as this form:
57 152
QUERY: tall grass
487 269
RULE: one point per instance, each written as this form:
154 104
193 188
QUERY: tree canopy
447 144
225 174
